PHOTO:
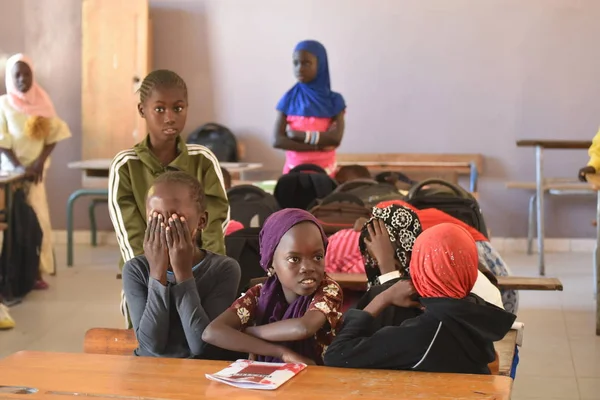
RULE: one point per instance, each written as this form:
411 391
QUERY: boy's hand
381 247
586 170
401 294
155 248
181 248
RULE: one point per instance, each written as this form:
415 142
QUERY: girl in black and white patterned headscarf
403 226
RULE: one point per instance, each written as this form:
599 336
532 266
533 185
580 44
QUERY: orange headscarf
444 262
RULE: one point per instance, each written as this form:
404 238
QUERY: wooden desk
540 145
462 164
358 282
95 172
506 351
63 376
94 181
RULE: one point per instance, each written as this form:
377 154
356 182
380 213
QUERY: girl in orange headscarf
457 329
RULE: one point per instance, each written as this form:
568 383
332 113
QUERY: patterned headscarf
403 226
272 306
444 262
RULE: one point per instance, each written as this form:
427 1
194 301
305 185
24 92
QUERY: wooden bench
505 350
122 342
118 342
462 164
358 282
529 283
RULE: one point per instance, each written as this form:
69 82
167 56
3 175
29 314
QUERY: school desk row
94 175
62 376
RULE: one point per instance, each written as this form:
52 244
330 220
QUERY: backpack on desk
219 139
370 192
243 246
303 186
451 199
250 205
339 211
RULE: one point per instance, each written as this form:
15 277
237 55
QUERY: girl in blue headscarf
310 118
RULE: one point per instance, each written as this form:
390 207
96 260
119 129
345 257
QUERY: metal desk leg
597 267
531 224
539 181
473 178
74 196
92 215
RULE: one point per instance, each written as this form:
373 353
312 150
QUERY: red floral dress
328 299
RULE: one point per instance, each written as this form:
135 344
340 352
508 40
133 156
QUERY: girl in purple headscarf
293 316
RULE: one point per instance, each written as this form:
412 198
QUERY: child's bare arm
333 137
225 332
283 142
290 329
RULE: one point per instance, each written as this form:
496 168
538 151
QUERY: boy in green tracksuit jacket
164 105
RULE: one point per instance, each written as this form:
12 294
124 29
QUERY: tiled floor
560 358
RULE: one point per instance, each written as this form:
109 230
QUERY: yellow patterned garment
15 134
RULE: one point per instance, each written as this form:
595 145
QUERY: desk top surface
359 282
594 180
8 177
555 144
63 376
104 164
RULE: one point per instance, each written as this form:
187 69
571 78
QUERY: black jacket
391 315
20 260
450 336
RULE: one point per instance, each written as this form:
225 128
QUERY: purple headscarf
272 306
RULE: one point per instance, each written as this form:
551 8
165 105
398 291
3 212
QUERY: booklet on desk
248 374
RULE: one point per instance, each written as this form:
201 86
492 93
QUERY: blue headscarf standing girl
310 119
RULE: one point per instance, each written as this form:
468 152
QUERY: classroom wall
11 18
49 31
418 76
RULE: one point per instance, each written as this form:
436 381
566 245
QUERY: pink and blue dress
312 107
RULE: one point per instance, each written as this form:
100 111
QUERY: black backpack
398 179
20 260
219 139
339 211
452 200
370 192
303 186
251 205
243 246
